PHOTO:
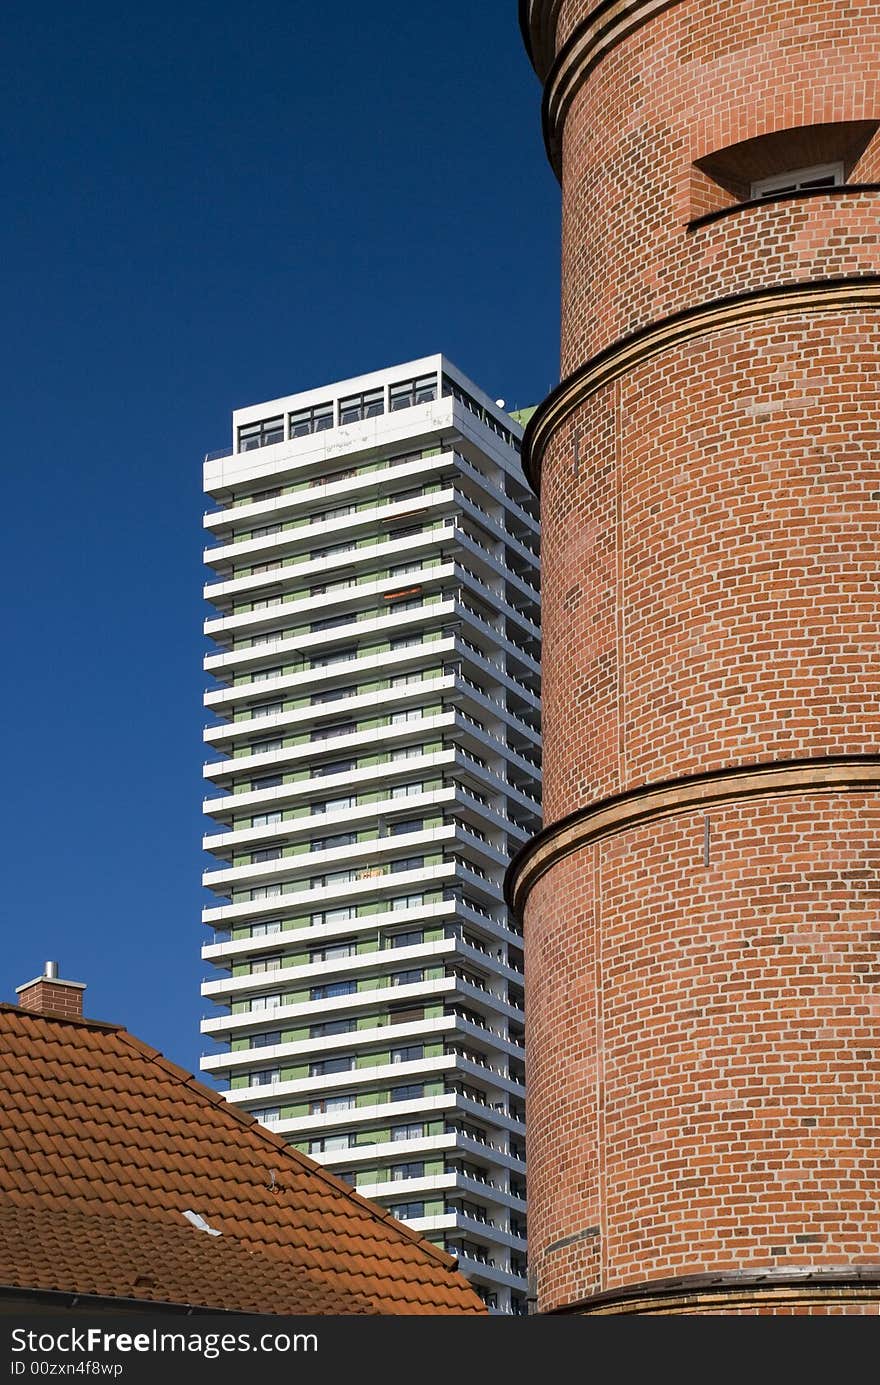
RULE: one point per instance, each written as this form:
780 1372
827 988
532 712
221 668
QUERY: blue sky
207 205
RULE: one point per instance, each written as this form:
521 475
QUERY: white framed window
410 1131
265 891
267 709
266 747
408 901
328 1143
406 790
263 930
264 1077
799 180
263 964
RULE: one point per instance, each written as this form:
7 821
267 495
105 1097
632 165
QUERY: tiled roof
105 1144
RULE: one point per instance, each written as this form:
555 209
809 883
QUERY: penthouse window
313 420
455 391
263 434
419 391
360 406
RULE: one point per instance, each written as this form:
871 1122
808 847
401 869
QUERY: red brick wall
702 1048
696 80
703 1088
54 997
709 573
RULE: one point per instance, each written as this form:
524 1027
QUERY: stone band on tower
701 906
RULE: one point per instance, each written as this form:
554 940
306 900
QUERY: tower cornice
632 351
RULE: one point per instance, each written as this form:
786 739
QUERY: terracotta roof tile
104 1144
119 1257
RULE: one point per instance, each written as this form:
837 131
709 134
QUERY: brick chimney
49 995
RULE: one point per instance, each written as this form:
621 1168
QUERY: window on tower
314 420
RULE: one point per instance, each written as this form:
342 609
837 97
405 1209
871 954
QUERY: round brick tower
702 908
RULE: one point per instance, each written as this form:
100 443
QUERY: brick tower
702 906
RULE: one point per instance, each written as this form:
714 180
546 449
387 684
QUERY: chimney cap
50 973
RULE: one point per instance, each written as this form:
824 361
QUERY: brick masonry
702 990
52 997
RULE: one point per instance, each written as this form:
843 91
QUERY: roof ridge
289 1151
57 1017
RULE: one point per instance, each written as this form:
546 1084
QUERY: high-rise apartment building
376 750
701 906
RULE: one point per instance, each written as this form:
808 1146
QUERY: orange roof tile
105 1144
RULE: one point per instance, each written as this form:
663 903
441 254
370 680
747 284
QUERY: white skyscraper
376 751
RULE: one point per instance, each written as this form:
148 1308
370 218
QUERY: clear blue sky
210 204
